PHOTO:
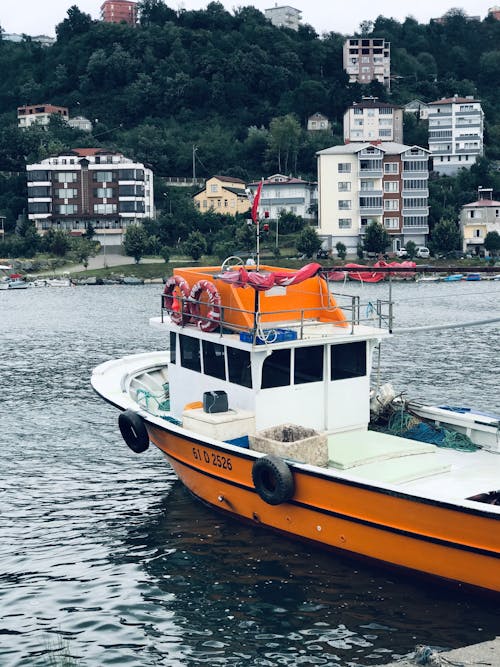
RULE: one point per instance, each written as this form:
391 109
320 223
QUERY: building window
391 168
345 204
391 186
391 223
103 176
415 202
105 209
66 177
214 187
344 167
344 186
345 223
104 193
391 204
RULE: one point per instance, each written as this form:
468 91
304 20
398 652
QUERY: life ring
273 480
178 314
133 431
212 319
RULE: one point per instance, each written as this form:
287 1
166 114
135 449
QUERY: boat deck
140 382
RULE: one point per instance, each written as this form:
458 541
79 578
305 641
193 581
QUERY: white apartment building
477 219
287 194
368 59
360 183
284 16
89 185
371 120
456 128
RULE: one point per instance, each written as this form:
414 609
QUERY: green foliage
136 242
166 253
445 237
359 250
492 243
376 238
308 242
83 249
411 249
57 242
195 245
341 250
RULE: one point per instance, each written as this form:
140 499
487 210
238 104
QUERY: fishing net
406 425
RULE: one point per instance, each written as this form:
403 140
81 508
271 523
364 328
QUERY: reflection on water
105 549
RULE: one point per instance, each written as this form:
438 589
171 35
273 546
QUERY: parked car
322 254
422 252
401 252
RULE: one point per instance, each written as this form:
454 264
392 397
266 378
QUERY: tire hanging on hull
273 480
133 431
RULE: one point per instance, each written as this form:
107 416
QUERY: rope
162 401
403 423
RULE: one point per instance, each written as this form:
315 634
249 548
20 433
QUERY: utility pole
195 148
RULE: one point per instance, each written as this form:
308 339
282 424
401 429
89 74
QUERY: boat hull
438 539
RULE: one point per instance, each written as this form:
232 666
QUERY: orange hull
427 537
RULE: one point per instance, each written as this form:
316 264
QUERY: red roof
85 152
457 100
481 203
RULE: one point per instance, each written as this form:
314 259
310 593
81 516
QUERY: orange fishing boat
260 401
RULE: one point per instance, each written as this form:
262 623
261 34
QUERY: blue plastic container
270 336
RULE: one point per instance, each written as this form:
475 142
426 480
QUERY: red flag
255 204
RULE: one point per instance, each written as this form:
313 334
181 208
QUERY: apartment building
286 194
477 219
361 183
89 185
371 120
494 12
119 11
40 114
368 59
284 16
456 127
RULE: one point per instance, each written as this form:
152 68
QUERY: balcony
409 229
414 193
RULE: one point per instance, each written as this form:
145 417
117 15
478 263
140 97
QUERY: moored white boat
262 408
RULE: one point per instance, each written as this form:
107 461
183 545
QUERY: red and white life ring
178 314
212 319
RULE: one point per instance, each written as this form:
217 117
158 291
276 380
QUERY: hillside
232 85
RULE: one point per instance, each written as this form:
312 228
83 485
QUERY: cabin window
308 364
190 353
348 361
239 367
214 360
276 369
173 348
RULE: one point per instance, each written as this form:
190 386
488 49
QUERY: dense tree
376 238
492 243
308 242
195 245
136 242
445 237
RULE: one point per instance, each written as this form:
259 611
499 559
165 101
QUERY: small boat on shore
454 277
261 405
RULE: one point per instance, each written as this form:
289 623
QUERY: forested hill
227 83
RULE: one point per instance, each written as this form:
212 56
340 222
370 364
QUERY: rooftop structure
119 11
284 16
368 59
371 120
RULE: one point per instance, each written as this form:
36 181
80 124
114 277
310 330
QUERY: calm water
104 554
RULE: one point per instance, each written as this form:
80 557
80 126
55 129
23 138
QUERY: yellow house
223 194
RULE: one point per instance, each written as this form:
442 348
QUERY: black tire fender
273 480
133 431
